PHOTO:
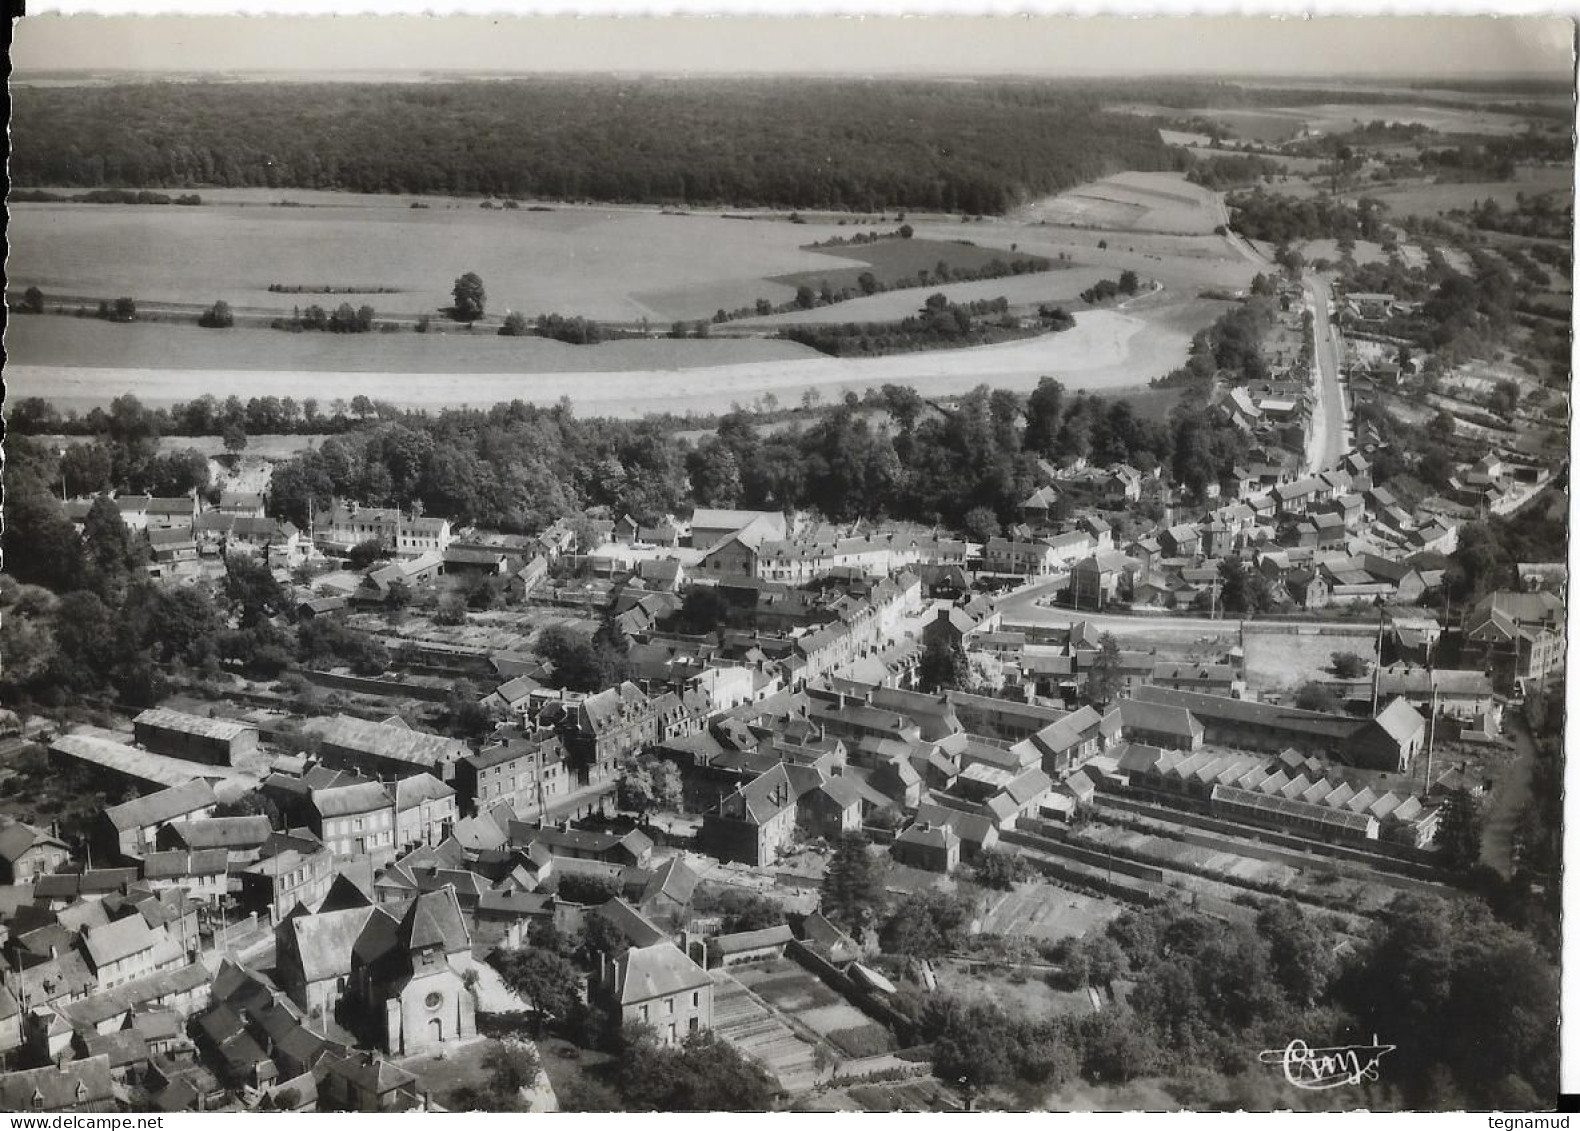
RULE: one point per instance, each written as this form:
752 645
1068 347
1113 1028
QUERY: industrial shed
176 734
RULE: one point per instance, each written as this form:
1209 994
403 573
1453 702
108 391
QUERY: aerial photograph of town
796 565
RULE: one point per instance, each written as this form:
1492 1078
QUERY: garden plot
793 990
1042 911
762 1034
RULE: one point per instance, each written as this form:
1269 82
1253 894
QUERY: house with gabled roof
606 727
127 949
84 1085
27 852
831 809
128 830
364 1081
933 848
656 985
755 823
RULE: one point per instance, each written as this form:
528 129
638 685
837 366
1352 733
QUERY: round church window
434 1000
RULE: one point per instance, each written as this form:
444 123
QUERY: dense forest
978 148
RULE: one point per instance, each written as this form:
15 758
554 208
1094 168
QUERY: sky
1411 46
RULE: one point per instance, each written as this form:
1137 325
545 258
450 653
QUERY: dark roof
82 1083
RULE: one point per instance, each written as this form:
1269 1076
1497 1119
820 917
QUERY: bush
217 317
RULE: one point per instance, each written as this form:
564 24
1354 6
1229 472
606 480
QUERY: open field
1276 124
1142 202
613 263
1282 661
88 343
1365 251
1430 199
588 261
1106 349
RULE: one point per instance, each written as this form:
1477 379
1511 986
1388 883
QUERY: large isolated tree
470 298
544 978
1458 839
852 888
943 666
1103 681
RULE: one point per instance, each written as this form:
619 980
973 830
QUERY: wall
870 1003
389 688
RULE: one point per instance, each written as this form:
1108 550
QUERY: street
1022 608
1509 797
1326 442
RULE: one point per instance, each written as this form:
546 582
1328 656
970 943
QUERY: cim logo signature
1318 1069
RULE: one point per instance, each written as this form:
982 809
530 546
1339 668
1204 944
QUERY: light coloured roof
323 942
104 749
173 865
120 939
1400 721
223 832
355 797
388 742
157 808
418 788
743 941
656 971
226 730
16 838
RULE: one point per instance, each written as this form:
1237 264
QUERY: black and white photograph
806 564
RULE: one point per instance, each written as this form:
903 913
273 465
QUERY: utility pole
1377 667
1431 737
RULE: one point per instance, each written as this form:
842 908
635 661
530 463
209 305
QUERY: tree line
1281 219
519 467
838 144
940 324
103 196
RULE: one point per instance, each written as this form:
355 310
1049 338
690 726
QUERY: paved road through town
1023 608
1326 444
